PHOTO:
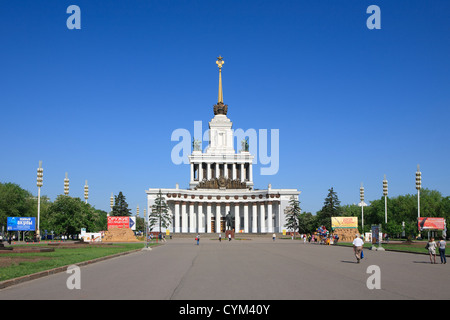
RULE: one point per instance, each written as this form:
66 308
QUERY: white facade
221 182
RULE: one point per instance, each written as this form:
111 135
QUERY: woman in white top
431 246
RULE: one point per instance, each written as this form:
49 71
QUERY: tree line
67 215
401 213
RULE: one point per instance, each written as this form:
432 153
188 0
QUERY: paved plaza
257 269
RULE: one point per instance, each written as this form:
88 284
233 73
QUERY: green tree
100 220
140 223
331 208
307 223
160 213
15 202
67 215
293 215
120 208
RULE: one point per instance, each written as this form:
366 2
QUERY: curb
37 275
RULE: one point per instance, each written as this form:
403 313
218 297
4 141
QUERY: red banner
431 223
118 222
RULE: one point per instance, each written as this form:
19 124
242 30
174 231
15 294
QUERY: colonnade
250 217
205 170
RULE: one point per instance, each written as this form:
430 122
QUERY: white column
192 226
218 207
262 218
184 220
217 172
208 171
246 204
200 171
234 171
242 172
208 217
254 218
177 217
250 178
192 172
201 222
269 217
237 218
276 205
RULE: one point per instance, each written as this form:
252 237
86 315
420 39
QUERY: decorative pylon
86 191
40 179
418 187
385 193
66 185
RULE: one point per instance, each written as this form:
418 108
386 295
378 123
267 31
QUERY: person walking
220 237
229 237
431 246
441 245
198 239
274 236
358 244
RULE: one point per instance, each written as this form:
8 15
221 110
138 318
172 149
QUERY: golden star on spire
220 62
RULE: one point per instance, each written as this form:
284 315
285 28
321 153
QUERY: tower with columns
221 183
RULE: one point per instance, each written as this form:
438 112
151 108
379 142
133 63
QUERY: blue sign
21 224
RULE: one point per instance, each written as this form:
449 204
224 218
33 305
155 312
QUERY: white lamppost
40 178
137 211
362 204
418 187
86 191
66 185
385 193
146 248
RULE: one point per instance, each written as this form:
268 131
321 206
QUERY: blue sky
351 104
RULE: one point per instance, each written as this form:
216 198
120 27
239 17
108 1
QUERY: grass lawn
13 265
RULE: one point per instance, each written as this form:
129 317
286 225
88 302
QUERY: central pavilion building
221 184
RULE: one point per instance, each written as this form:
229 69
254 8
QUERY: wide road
246 270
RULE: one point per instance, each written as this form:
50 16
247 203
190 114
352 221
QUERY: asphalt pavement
257 269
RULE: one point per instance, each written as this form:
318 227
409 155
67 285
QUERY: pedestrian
220 237
198 239
358 244
431 246
229 237
274 236
441 245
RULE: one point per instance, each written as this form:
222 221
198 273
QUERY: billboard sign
431 223
21 224
118 222
344 222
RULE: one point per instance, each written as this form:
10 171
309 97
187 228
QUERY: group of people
197 238
432 246
322 239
